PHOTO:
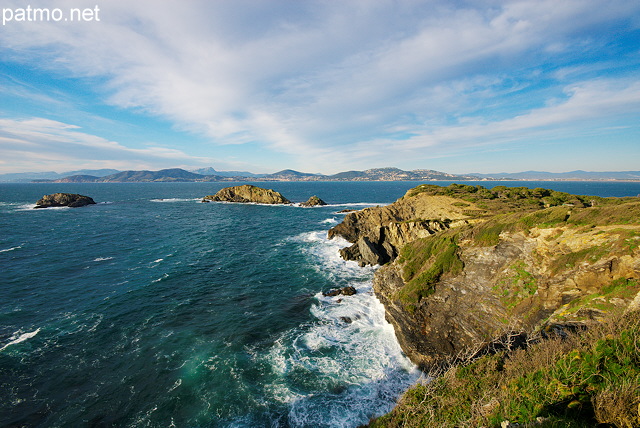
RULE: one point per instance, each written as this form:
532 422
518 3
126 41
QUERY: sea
152 309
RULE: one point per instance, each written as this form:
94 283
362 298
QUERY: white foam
11 249
27 207
102 259
158 260
21 338
359 204
331 220
175 385
169 200
349 350
164 276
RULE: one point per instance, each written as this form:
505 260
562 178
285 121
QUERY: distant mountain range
375 174
27 177
572 175
181 175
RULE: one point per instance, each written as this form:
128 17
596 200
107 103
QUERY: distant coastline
375 174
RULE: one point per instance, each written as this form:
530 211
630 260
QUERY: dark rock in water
72 200
348 320
345 291
348 291
247 194
313 201
347 210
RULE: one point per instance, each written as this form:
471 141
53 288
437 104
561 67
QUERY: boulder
247 194
345 291
313 201
72 200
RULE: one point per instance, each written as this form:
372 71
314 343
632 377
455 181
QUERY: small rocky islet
247 194
71 200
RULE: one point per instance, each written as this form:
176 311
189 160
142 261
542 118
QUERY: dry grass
567 380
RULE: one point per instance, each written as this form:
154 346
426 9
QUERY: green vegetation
516 287
587 378
502 199
424 261
603 302
622 241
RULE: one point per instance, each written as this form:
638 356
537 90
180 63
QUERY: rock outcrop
72 200
247 194
313 201
345 291
378 233
454 282
519 285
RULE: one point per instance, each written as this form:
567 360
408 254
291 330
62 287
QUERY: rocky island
466 268
247 194
71 200
313 201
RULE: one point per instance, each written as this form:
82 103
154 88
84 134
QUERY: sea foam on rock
72 200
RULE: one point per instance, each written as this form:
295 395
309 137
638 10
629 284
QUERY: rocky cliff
377 234
72 200
458 277
247 194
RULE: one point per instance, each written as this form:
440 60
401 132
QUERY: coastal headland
467 271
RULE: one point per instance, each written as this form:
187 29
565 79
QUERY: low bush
581 379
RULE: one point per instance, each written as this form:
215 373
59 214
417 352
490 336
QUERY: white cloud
55 145
309 78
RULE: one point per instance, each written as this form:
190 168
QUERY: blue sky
323 86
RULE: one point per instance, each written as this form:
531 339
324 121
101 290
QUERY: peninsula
468 271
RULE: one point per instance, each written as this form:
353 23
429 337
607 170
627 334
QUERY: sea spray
345 366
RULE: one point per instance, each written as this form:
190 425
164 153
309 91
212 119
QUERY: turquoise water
153 309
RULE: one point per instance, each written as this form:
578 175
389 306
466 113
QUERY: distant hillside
395 174
572 175
25 177
174 174
211 171
291 175
181 175
374 174
164 175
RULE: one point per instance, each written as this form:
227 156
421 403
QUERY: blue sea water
151 309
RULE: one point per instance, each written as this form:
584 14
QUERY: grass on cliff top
586 378
488 232
503 199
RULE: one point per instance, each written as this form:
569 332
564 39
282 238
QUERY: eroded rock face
313 201
247 194
457 278
72 200
515 286
377 234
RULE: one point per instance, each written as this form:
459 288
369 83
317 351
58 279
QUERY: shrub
587 377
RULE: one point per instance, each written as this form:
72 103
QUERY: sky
320 86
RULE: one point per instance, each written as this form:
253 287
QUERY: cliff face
377 234
457 289
247 194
